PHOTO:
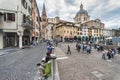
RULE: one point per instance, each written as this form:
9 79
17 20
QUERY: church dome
82 11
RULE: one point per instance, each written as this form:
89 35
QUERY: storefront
10 39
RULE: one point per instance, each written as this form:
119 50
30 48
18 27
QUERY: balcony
27 23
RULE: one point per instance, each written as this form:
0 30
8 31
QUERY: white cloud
67 9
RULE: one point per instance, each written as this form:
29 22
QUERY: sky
108 11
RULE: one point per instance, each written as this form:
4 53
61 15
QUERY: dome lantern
81 6
82 11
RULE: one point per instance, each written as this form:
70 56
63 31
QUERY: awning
82 36
79 37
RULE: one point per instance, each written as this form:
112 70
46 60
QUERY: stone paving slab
59 52
83 66
10 50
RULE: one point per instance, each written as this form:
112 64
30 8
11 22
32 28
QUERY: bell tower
44 22
44 16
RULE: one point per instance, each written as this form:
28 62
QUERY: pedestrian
95 46
114 51
48 57
68 50
83 48
78 47
49 49
101 48
98 47
37 42
104 55
118 50
56 43
41 70
109 55
88 49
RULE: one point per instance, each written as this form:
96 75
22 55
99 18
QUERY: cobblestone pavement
83 66
8 50
21 64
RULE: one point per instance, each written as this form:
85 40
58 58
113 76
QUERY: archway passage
26 37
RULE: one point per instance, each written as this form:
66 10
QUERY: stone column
1 41
20 34
15 40
20 41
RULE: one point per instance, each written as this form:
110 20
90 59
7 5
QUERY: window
9 16
30 1
4 16
52 28
37 19
24 18
84 18
24 3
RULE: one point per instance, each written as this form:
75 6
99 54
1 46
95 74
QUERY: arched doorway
26 37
